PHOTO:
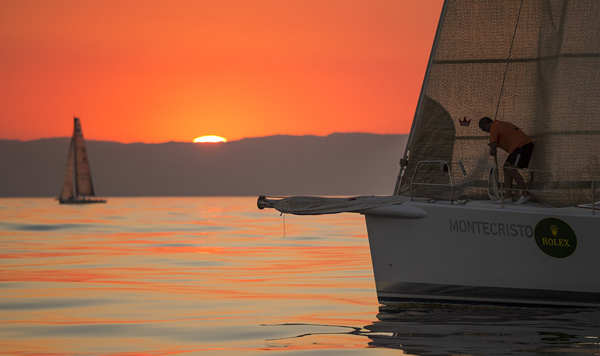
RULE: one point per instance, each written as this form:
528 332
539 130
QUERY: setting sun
157 76
209 138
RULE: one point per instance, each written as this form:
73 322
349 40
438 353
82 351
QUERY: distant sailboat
77 187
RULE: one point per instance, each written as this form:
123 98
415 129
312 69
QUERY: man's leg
514 174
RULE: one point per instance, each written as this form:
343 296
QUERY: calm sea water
217 276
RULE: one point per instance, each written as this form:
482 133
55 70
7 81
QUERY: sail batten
516 60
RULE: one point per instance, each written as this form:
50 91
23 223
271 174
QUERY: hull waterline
81 201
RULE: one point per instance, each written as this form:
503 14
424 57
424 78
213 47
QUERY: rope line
509 54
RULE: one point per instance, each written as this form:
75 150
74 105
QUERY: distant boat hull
81 201
481 253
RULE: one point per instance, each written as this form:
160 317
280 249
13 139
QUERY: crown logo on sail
464 122
554 230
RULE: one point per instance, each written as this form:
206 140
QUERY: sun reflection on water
156 275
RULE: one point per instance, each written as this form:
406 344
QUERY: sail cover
535 63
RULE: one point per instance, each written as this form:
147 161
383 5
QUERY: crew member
513 140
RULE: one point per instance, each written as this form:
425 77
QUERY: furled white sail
311 205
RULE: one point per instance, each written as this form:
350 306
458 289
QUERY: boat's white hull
481 253
82 201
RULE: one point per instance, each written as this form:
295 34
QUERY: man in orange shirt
513 140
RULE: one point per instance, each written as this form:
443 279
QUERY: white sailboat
439 238
77 186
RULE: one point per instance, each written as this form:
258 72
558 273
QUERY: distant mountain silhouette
338 164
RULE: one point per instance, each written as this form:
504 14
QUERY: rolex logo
464 122
554 230
547 237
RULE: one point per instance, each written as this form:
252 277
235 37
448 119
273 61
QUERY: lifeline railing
447 166
443 164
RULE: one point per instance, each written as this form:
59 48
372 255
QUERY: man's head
485 123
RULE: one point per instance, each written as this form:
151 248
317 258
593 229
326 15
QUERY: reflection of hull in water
420 329
484 253
487 331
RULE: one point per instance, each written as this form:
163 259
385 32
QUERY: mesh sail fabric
535 63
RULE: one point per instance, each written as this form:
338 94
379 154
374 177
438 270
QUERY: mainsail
78 179
535 63
82 165
67 191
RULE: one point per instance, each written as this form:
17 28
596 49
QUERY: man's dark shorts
520 156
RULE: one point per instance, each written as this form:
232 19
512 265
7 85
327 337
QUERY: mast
75 156
408 147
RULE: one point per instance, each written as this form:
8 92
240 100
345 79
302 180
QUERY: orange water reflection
148 276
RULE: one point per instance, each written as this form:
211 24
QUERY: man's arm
493 146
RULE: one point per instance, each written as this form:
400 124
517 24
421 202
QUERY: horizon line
210 143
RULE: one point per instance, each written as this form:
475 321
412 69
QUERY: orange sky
157 71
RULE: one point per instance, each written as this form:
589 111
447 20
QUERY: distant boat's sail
82 167
67 189
533 63
77 186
